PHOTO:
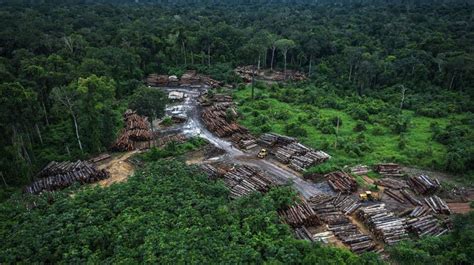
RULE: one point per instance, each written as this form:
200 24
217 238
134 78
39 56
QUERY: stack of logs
410 197
243 180
301 163
299 156
177 138
299 214
424 184
160 141
330 210
189 78
99 158
273 139
248 72
216 121
389 170
402 196
212 171
59 175
384 224
244 141
438 205
341 182
395 195
418 211
392 183
136 129
350 235
426 225
303 233
360 170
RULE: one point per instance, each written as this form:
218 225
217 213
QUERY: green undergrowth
349 134
173 149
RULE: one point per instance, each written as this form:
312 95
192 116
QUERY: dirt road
195 127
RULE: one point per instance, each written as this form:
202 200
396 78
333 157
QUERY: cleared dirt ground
118 167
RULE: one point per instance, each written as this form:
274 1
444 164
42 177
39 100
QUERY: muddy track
195 127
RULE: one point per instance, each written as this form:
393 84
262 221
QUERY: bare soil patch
118 167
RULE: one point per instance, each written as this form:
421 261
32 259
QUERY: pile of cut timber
438 205
301 163
59 175
244 141
303 233
221 98
416 212
249 72
360 170
346 204
273 139
389 170
299 156
329 214
177 138
329 209
243 180
323 204
160 141
341 182
212 171
157 80
392 183
384 224
299 214
350 235
424 184
99 158
216 121
189 78
426 225
395 195
323 237
410 198
136 129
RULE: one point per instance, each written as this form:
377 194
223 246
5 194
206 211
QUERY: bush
265 128
336 120
167 121
359 127
399 124
295 130
260 120
358 113
326 127
377 131
281 115
402 142
262 105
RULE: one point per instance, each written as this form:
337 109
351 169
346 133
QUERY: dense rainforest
387 81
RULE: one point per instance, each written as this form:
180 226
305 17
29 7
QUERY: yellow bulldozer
369 196
263 153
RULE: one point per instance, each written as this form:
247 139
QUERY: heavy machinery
263 153
369 196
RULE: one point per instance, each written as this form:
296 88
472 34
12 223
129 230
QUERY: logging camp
237 132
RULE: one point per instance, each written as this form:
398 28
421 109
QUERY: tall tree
149 102
284 45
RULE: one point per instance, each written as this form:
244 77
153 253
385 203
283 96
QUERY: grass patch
366 142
